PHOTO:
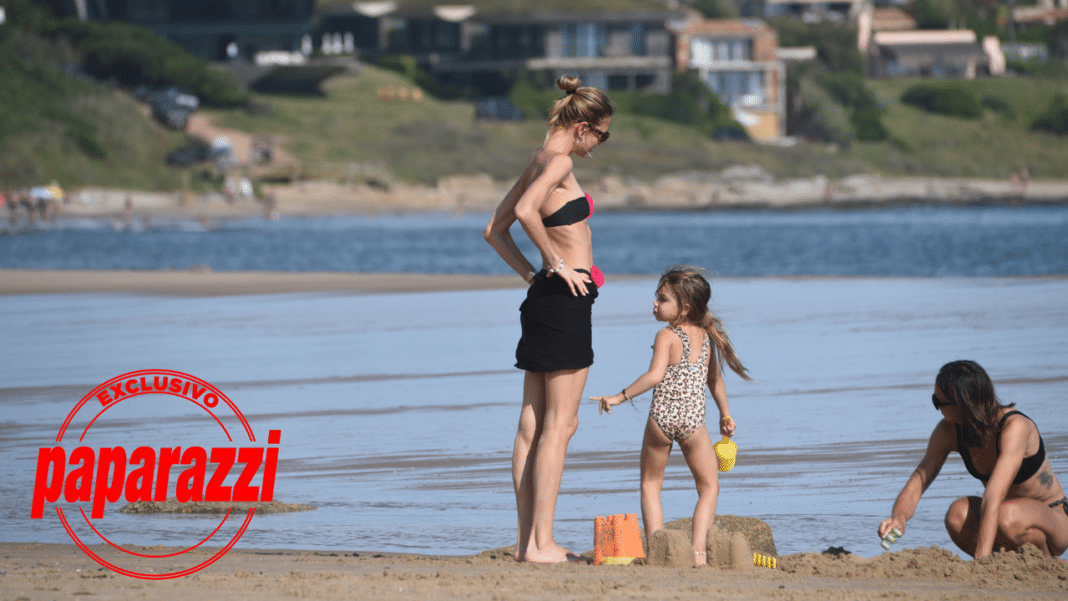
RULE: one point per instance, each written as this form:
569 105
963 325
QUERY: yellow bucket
726 451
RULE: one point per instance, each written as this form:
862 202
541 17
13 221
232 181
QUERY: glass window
584 39
637 39
700 53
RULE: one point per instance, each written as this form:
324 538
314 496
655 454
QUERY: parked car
170 106
184 156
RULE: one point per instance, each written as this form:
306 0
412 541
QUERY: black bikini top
572 212
1028 467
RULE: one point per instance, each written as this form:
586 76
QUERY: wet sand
205 282
52 571
48 571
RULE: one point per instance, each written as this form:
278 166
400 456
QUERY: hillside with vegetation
66 115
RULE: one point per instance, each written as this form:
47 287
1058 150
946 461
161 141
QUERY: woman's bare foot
552 554
700 558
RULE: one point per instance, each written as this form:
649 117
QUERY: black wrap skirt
557 328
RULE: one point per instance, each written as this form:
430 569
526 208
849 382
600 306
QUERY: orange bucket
616 540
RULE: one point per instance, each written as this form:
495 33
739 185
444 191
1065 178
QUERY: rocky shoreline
736 188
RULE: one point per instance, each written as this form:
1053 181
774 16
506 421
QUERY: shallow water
398 412
912 241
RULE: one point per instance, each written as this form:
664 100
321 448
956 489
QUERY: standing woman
556 348
1022 502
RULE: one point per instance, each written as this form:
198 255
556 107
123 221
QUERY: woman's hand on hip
576 281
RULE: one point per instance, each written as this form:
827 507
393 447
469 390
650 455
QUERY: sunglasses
938 406
602 136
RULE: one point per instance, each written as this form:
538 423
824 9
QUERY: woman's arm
938 448
528 212
645 382
498 230
1013 445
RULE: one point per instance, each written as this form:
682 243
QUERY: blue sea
398 411
917 241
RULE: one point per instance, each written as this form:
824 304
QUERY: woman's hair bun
579 104
569 83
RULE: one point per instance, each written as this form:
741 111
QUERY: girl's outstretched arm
645 382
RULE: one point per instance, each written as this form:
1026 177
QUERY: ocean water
398 411
914 241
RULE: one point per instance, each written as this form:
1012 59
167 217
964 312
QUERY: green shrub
998 105
835 43
130 55
950 99
716 9
34 94
407 66
868 124
848 89
1055 118
820 117
690 102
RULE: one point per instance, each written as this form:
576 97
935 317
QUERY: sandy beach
36 570
52 571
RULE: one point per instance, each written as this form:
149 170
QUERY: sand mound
173 506
756 532
1002 569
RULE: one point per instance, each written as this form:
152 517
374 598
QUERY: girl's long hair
579 104
693 293
967 385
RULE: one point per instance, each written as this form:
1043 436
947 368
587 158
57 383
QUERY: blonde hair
693 293
579 104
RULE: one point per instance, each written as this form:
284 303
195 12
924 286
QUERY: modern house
893 47
738 61
214 30
808 10
934 53
475 44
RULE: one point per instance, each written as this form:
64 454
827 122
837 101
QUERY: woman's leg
1020 522
523 453
563 393
697 449
656 448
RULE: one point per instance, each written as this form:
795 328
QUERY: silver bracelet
530 276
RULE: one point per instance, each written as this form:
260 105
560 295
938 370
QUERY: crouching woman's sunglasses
938 406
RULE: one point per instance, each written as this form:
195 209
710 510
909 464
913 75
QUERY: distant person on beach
556 348
688 355
1022 502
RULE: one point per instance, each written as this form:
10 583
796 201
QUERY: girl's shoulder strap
685 343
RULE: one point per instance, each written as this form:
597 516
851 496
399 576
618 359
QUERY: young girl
680 372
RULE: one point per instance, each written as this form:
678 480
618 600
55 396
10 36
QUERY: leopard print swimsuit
678 405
